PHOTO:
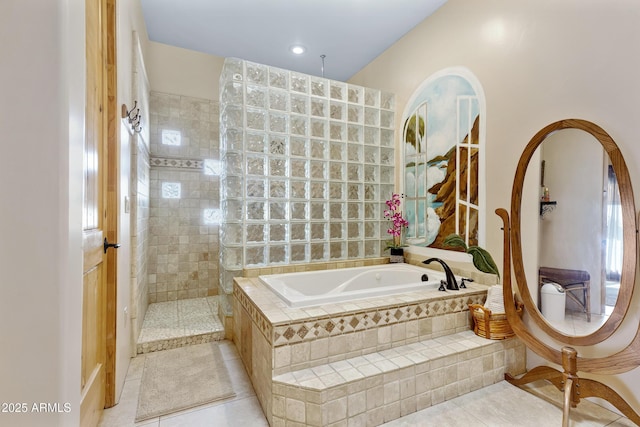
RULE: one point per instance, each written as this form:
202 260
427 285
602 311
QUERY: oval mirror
579 286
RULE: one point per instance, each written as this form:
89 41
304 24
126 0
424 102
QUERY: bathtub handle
462 283
443 286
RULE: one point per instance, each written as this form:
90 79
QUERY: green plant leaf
455 241
483 260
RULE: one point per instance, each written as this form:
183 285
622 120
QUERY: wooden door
99 216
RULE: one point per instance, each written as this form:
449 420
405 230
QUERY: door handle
108 245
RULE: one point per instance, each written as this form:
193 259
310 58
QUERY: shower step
174 324
386 385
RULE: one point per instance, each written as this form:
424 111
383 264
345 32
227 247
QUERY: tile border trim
176 163
312 328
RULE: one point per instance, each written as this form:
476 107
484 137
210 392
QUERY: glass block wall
307 164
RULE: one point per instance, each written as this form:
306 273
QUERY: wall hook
133 116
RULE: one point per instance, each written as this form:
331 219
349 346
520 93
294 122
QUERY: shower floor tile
175 324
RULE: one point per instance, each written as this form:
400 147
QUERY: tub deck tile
358 358
395 358
413 376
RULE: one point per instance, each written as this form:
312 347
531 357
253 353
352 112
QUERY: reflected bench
574 282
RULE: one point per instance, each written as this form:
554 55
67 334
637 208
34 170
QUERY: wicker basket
493 326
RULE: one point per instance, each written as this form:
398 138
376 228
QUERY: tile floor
241 410
509 406
575 323
179 323
175 324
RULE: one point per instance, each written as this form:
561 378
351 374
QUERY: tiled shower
183 244
299 176
306 166
182 239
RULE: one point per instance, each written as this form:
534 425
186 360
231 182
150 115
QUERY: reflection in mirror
576 243
580 238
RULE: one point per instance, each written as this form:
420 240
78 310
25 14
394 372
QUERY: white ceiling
351 33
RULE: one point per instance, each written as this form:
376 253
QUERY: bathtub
346 284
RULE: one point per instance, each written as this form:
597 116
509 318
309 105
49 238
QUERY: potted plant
396 229
482 259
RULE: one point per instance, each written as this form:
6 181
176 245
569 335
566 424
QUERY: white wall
41 118
183 72
538 62
571 235
129 19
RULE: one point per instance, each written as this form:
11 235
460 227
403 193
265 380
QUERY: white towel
495 301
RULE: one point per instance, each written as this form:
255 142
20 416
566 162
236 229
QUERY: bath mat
182 378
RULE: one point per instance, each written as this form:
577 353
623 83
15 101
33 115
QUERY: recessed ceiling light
297 49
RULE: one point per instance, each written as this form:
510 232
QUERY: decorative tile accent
171 190
212 167
354 322
166 162
212 216
171 137
289 333
309 328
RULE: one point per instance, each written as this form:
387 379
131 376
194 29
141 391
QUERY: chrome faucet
452 284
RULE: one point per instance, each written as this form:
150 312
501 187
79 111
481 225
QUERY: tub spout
452 284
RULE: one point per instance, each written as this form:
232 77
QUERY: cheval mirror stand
568 381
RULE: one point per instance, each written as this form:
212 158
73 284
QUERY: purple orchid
398 222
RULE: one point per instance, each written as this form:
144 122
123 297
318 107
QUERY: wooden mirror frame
627 278
574 388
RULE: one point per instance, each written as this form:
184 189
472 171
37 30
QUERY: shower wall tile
139 198
140 230
183 243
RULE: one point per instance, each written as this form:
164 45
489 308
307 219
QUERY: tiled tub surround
367 360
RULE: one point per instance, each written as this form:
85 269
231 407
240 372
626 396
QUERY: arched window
443 143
